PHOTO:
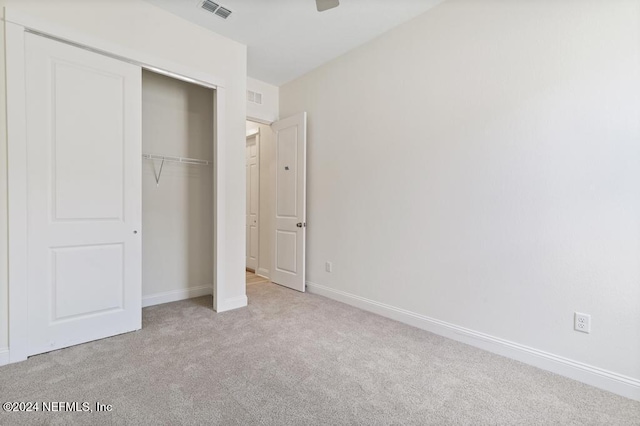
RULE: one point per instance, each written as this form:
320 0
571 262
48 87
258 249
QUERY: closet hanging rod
183 160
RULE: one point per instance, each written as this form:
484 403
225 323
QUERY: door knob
299 224
135 232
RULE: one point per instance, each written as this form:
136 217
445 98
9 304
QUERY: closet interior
177 189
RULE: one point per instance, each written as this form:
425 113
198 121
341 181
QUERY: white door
253 201
84 198
290 206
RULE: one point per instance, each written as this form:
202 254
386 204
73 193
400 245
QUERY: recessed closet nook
111 191
177 189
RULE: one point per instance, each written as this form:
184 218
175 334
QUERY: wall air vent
254 97
216 9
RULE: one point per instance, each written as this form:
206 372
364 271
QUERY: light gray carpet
292 358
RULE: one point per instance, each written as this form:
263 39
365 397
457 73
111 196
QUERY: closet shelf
164 158
177 159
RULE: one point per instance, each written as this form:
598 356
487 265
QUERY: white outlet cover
582 322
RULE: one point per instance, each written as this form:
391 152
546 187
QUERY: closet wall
177 214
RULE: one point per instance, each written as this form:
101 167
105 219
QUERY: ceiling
288 38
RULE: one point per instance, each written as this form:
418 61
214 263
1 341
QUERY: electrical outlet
328 266
582 322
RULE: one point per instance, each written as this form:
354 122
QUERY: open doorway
252 222
260 151
276 201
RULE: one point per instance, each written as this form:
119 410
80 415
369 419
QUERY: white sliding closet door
84 197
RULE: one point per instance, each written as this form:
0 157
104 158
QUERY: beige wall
137 25
480 165
177 232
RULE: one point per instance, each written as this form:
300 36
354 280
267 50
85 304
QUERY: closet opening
143 222
177 190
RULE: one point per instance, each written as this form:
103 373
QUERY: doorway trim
16 25
259 121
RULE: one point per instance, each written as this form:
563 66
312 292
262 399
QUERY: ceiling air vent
223 12
216 9
210 6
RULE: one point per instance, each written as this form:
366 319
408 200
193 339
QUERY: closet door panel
87 141
84 198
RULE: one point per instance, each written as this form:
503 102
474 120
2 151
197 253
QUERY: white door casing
288 259
83 114
253 202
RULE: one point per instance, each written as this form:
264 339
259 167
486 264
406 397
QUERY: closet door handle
135 232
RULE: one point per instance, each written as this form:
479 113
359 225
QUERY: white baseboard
175 295
232 303
264 273
594 376
4 357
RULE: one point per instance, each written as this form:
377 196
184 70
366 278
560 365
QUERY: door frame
255 134
16 25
